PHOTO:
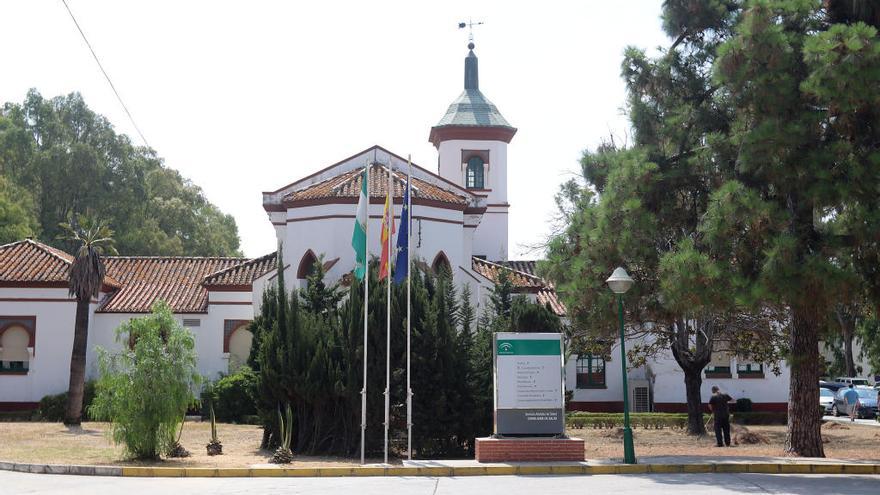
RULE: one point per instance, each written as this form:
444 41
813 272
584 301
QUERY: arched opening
441 265
474 178
306 265
14 354
239 347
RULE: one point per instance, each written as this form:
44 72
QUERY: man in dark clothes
718 404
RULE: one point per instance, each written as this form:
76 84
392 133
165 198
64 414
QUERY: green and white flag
359 237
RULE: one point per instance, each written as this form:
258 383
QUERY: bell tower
471 140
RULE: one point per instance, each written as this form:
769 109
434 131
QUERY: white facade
53 312
663 381
491 236
470 221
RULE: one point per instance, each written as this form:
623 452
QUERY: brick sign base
529 449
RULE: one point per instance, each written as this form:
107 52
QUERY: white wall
49 368
434 230
491 236
668 382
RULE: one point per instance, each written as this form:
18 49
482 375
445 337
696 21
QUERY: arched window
441 265
306 265
475 171
239 347
14 349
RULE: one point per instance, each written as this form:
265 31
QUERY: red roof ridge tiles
33 262
243 273
524 279
538 281
347 185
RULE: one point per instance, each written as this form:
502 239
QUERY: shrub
54 407
760 418
743 405
233 396
655 421
145 388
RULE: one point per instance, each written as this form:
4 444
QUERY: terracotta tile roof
30 261
550 297
243 274
523 276
176 280
519 279
348 185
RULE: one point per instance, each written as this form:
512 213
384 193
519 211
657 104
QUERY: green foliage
234 395
654 421
311 356
285 425
283 454
869 331
53 407
147 385
93 239
213 423
17 218
658 421
644 208
72 160
743 405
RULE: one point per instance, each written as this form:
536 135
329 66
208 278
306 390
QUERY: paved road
656 484
845 419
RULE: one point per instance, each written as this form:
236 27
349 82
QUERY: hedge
579 420
54 407
233 396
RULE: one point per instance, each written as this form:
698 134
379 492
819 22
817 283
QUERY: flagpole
409 423
389 223
366 309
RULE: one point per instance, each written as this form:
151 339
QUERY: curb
435 471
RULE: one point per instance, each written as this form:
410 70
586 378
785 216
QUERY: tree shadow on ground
79 430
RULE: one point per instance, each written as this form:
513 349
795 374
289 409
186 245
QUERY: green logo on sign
529 347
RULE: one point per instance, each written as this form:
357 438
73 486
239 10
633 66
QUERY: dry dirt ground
841 442
53 443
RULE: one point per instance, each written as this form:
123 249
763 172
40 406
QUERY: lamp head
619 282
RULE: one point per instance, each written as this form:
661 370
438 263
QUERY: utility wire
106 76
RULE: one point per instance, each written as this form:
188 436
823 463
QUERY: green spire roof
472 108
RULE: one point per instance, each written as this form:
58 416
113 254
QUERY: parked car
826 399
832 386
858 382
867 402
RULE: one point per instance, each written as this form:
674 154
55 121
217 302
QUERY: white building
460 221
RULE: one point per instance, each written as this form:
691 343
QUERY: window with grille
749 368
590 371
192 322
475 173
719 365
641 402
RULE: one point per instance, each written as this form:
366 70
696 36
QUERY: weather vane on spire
470 25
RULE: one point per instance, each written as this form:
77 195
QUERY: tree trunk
73 417
692 381
848 335
804 436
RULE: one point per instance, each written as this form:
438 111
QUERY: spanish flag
387 232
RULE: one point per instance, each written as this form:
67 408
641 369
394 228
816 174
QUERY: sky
247 96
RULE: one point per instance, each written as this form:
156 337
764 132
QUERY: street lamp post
620 282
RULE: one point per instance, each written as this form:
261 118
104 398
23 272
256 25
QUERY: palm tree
87 271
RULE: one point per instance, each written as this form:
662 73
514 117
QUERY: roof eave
442 133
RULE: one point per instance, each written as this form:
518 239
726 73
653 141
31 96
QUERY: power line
106 76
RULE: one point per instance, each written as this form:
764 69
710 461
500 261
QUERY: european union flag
401 264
